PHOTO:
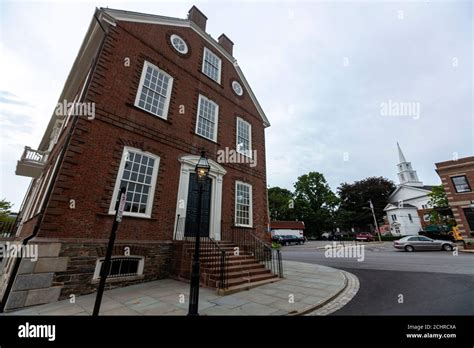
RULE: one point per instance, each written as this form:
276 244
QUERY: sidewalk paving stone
304 286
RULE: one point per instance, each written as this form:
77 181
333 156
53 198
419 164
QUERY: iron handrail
262 251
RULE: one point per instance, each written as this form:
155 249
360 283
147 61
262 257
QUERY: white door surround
216 173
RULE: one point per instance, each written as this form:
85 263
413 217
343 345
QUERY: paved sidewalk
305 288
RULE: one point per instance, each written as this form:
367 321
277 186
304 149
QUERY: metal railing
247 241
8 228
31 155
214 260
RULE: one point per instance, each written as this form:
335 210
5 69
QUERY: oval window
237 88
179 44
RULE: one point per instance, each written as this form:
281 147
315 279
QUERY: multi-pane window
154 91
244 137
243 204
460 184
237 88
137 174
179 44
207 117
211 65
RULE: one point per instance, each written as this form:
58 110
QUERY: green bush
276 245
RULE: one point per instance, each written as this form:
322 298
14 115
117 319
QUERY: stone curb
311 308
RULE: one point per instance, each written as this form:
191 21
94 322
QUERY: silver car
412 243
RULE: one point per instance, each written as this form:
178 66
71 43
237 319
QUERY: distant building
283 228
457 177
404 203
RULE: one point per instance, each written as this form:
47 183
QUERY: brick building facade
457 177
148 93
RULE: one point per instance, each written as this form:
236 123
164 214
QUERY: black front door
192 207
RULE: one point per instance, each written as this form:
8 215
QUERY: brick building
145 95
457 177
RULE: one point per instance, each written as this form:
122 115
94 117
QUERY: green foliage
355 197
5 207
315 203
276 245
438 199
279 204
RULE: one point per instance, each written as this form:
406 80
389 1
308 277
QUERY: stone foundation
67 268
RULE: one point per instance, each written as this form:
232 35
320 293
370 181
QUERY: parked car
412 243
365 237
331 236
288 239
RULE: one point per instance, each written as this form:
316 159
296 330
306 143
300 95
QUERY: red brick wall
458 201
91 164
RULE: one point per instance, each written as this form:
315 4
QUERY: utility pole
375 220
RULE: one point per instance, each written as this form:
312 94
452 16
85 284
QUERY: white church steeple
406 174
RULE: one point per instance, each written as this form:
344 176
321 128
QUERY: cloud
320 71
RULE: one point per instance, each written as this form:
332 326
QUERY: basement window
121 267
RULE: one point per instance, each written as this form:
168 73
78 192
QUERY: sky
340 81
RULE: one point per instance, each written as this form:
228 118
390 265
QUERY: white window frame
250 204
216 123
147 64
249 154
151 194
174 36
236 83
207 50
141 266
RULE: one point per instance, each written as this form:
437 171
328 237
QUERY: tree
315 203
438 199
356 196
279 200
5 207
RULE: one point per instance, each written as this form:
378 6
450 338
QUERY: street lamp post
202 171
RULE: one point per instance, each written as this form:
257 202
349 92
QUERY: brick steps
243 270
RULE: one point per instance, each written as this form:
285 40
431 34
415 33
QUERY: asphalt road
425 282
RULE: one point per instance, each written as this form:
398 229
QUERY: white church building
404 202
